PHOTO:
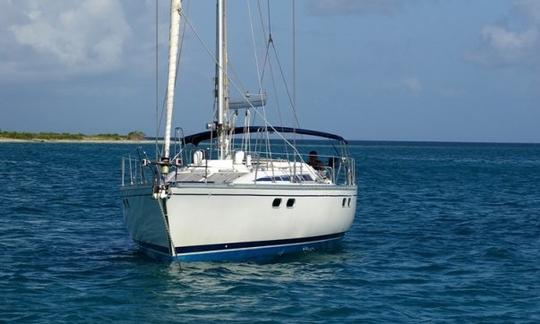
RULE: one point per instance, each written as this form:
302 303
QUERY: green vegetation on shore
134 136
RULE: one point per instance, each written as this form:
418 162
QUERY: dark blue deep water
443 232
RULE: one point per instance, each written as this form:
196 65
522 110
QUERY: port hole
290 203
276 203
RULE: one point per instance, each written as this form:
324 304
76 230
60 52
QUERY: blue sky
428 70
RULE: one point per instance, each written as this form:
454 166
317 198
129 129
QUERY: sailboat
233 199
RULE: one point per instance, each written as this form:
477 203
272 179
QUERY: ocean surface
443 232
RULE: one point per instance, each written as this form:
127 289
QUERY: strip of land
132 137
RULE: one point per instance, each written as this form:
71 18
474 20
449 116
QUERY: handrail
337 168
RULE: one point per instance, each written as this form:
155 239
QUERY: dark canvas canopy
195 139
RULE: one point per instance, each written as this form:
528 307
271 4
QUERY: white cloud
62 37
505 40
412 85
348 7
514 40
529 8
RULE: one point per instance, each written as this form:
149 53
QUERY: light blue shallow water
445 232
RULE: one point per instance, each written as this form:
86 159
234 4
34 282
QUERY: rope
157 79
254 47
286 85
294 52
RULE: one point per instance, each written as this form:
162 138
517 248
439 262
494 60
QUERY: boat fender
198 157
161 192
155 191
239 157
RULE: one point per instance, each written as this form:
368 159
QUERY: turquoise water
443 232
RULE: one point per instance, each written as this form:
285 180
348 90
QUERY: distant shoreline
81 141
138 137
152 141
55 137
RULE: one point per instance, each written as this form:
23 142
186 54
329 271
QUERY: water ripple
443 233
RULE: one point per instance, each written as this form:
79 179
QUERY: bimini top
195 139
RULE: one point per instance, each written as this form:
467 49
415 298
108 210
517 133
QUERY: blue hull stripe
247 195
299 243
264 253
243 245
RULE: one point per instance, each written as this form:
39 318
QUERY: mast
174 32
222 88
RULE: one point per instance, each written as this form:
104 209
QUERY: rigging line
266 60
187 22
294 51
254 47
269 20
277 104
157 79
267 41
261 19
293 3
267 50
229 76
271 42
265 37
259 75
181 46
236 86
241 88
257 66
263 29
276 97
268 125
286 85
235 74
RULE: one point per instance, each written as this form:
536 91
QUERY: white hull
209 222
